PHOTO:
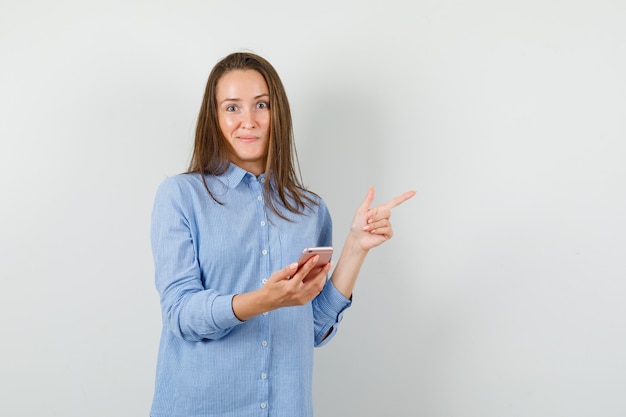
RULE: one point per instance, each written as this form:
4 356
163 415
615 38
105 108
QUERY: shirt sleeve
189 310
329 305
328 308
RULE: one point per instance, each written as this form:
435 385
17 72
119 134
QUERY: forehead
241 85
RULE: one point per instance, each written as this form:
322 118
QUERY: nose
248 120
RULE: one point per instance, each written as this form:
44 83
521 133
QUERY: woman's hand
293 286
371 226
290 286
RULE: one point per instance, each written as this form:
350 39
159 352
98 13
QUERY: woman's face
243 106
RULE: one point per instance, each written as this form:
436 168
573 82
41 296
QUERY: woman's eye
263 105
231 108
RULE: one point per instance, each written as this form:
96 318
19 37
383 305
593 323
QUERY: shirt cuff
331 301
222 312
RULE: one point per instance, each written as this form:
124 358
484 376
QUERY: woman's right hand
293 286
290 286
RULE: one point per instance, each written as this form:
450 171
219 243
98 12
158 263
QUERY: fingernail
293 266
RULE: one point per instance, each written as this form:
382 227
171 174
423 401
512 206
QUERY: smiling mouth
248 139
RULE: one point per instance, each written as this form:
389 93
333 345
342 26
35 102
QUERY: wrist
249 304
353 244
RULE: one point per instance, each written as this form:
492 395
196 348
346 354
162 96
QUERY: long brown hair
211 154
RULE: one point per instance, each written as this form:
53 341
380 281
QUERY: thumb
369 198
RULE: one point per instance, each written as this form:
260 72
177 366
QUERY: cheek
265 121
226 125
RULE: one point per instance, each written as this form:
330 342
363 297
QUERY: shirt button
263 375
266 313
260 198
264 252
264 280
262 180
262 224
264 343
263 405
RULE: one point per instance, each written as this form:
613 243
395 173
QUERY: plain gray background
502 293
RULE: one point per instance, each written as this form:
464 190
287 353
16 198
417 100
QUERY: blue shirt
210 363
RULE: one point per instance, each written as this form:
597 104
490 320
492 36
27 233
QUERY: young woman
240 315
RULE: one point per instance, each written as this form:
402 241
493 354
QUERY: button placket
264 255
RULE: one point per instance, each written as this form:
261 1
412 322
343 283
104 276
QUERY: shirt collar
235 174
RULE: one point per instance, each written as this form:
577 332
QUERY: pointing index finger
394 202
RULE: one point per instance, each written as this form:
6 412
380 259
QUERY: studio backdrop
502 291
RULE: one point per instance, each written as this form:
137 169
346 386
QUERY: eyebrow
238 99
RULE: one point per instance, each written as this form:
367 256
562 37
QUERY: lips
248 139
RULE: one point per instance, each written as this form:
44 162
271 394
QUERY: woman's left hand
371 226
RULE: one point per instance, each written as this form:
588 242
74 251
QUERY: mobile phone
325 252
